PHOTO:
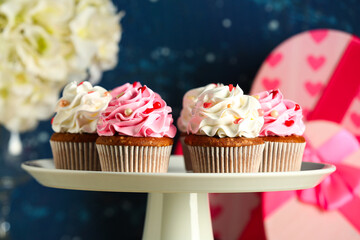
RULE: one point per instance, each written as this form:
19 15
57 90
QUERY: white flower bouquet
44 44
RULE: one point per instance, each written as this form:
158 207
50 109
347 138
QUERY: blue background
171 46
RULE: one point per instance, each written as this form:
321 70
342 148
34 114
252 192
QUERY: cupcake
135 131
223 132
77 113
282 133
189 100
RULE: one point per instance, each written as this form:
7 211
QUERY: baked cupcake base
134 154
282 154
225 155
75 151
186 152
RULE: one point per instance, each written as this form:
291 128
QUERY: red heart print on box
313 59
273 59
271 83
319 35
315 62
313 88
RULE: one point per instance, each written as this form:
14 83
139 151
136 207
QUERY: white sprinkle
128 111
210 57
226 23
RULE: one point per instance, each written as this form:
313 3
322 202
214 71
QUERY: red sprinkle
289 123
142 89
81 83
297 107
207 104
274 92
52 120
239 120
149 110
157 105
231 87
215 84
90 92
134 84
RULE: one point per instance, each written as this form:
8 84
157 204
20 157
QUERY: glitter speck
273 25
210 57
226 23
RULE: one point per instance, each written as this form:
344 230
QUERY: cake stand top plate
177 180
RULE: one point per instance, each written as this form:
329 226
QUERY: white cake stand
178 206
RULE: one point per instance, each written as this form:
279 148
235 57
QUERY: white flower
95 36
44 44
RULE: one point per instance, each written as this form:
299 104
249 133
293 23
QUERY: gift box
320 70
331 209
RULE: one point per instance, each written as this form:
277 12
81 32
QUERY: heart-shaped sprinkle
134 84
149 110
207 104
238 120
297 107
274 93
231 87
289 123
142 89
157 105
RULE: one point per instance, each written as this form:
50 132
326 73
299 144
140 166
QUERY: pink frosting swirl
282 117
136 111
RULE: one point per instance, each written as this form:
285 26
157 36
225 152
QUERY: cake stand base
178 216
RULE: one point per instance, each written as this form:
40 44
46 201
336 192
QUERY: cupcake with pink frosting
136 131
282 133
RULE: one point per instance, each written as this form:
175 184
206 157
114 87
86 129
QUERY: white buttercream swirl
80 107
226 112
189 100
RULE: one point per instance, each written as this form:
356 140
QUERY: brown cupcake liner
226 159
120 158
282 157
186 153
75 155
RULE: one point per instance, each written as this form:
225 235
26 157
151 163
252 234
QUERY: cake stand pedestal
178 205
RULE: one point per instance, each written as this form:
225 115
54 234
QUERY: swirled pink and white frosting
136 111
226 112
189 100
282 117
79 108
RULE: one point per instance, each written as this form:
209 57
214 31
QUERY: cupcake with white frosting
223 132
189 100
75 125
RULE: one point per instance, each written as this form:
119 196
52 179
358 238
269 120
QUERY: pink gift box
320 70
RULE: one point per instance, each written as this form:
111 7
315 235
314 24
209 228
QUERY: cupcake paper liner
119 158
226 159
282 157
186 153
75 155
